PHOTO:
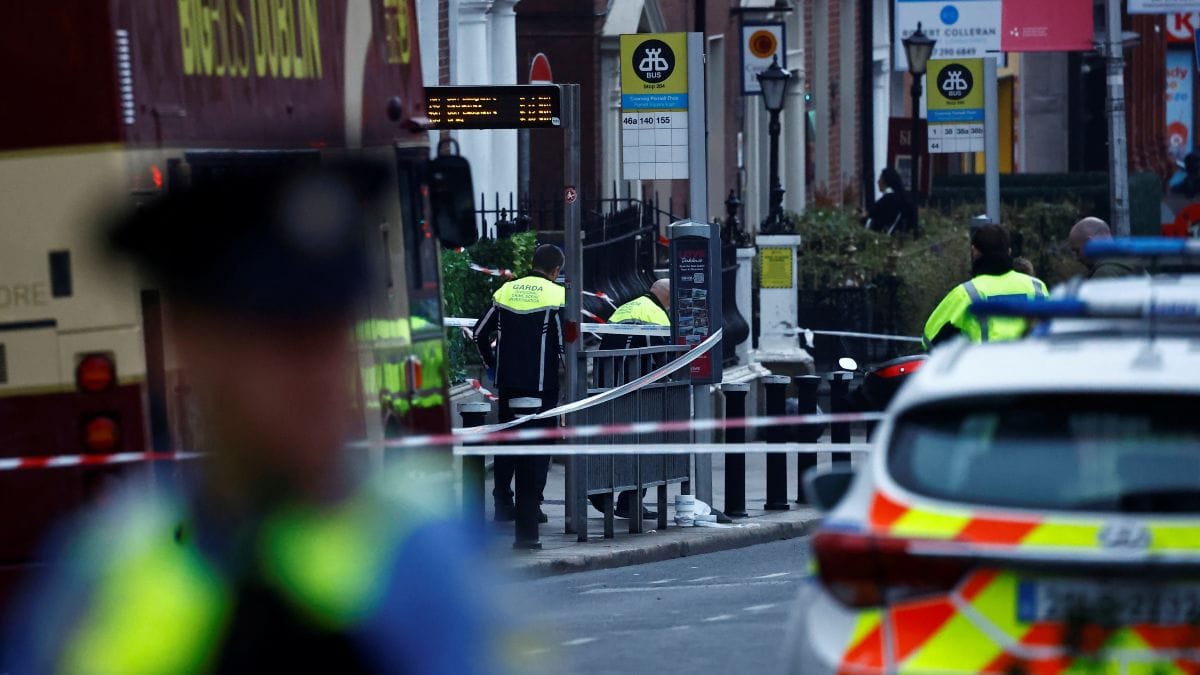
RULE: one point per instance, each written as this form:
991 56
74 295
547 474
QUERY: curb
720 540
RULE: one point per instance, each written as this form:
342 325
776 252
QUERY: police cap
285 243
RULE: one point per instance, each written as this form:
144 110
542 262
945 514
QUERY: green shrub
838 251
467 293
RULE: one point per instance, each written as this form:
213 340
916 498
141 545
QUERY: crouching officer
526 321
280 557
993 276
649 309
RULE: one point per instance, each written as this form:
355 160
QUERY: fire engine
122 99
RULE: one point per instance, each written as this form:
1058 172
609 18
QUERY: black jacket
525 318
890 215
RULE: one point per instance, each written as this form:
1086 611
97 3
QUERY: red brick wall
568 31
1145 98
833 61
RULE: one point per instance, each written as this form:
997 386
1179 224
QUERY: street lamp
918 47
774 81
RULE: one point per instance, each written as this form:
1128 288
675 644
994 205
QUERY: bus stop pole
991 149
702 396
573 240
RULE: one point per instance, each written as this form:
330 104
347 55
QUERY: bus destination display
525 106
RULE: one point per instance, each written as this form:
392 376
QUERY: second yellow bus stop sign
955 105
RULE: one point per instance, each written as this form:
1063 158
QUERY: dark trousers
504 468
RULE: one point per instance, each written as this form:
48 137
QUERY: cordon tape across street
501 433
62 461
468 435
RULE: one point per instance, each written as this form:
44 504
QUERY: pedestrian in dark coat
893 212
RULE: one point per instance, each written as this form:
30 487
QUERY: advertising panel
1180 69
1040 26
1163 6
696 313
964 29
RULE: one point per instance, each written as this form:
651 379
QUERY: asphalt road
720 612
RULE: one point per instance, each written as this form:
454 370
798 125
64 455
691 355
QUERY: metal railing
606 475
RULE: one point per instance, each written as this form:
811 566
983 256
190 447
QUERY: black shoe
505 513
542 517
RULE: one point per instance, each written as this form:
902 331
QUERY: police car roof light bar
1142 247
1078 309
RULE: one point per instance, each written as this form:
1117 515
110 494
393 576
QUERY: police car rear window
1109 453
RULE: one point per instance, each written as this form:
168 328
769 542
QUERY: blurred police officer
279 558
993 276
648 309
525 320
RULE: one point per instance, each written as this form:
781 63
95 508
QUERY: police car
1030 506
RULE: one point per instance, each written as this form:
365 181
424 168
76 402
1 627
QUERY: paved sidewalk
561 553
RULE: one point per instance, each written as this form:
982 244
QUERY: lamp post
918 47
774 81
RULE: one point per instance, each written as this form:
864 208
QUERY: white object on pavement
685 510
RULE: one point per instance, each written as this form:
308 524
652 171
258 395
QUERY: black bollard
807 386
775 387
527 487
839 390
474 485
735 462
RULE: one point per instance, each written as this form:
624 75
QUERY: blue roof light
1078 309
1141 247
1041 309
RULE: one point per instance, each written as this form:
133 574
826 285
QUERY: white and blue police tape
597 328
808 334
486 434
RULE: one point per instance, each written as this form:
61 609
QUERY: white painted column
502 55
610 117
778 307
427 32
745 299
716 105
792 141
754 192
470 66
882 47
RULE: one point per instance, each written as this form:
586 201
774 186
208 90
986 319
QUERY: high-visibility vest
955 308
525 313
643 309
530 294
156 601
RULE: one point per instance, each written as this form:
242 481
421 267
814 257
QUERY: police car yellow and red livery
1029 507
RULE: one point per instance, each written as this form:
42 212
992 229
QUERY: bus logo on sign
955 81
653 61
